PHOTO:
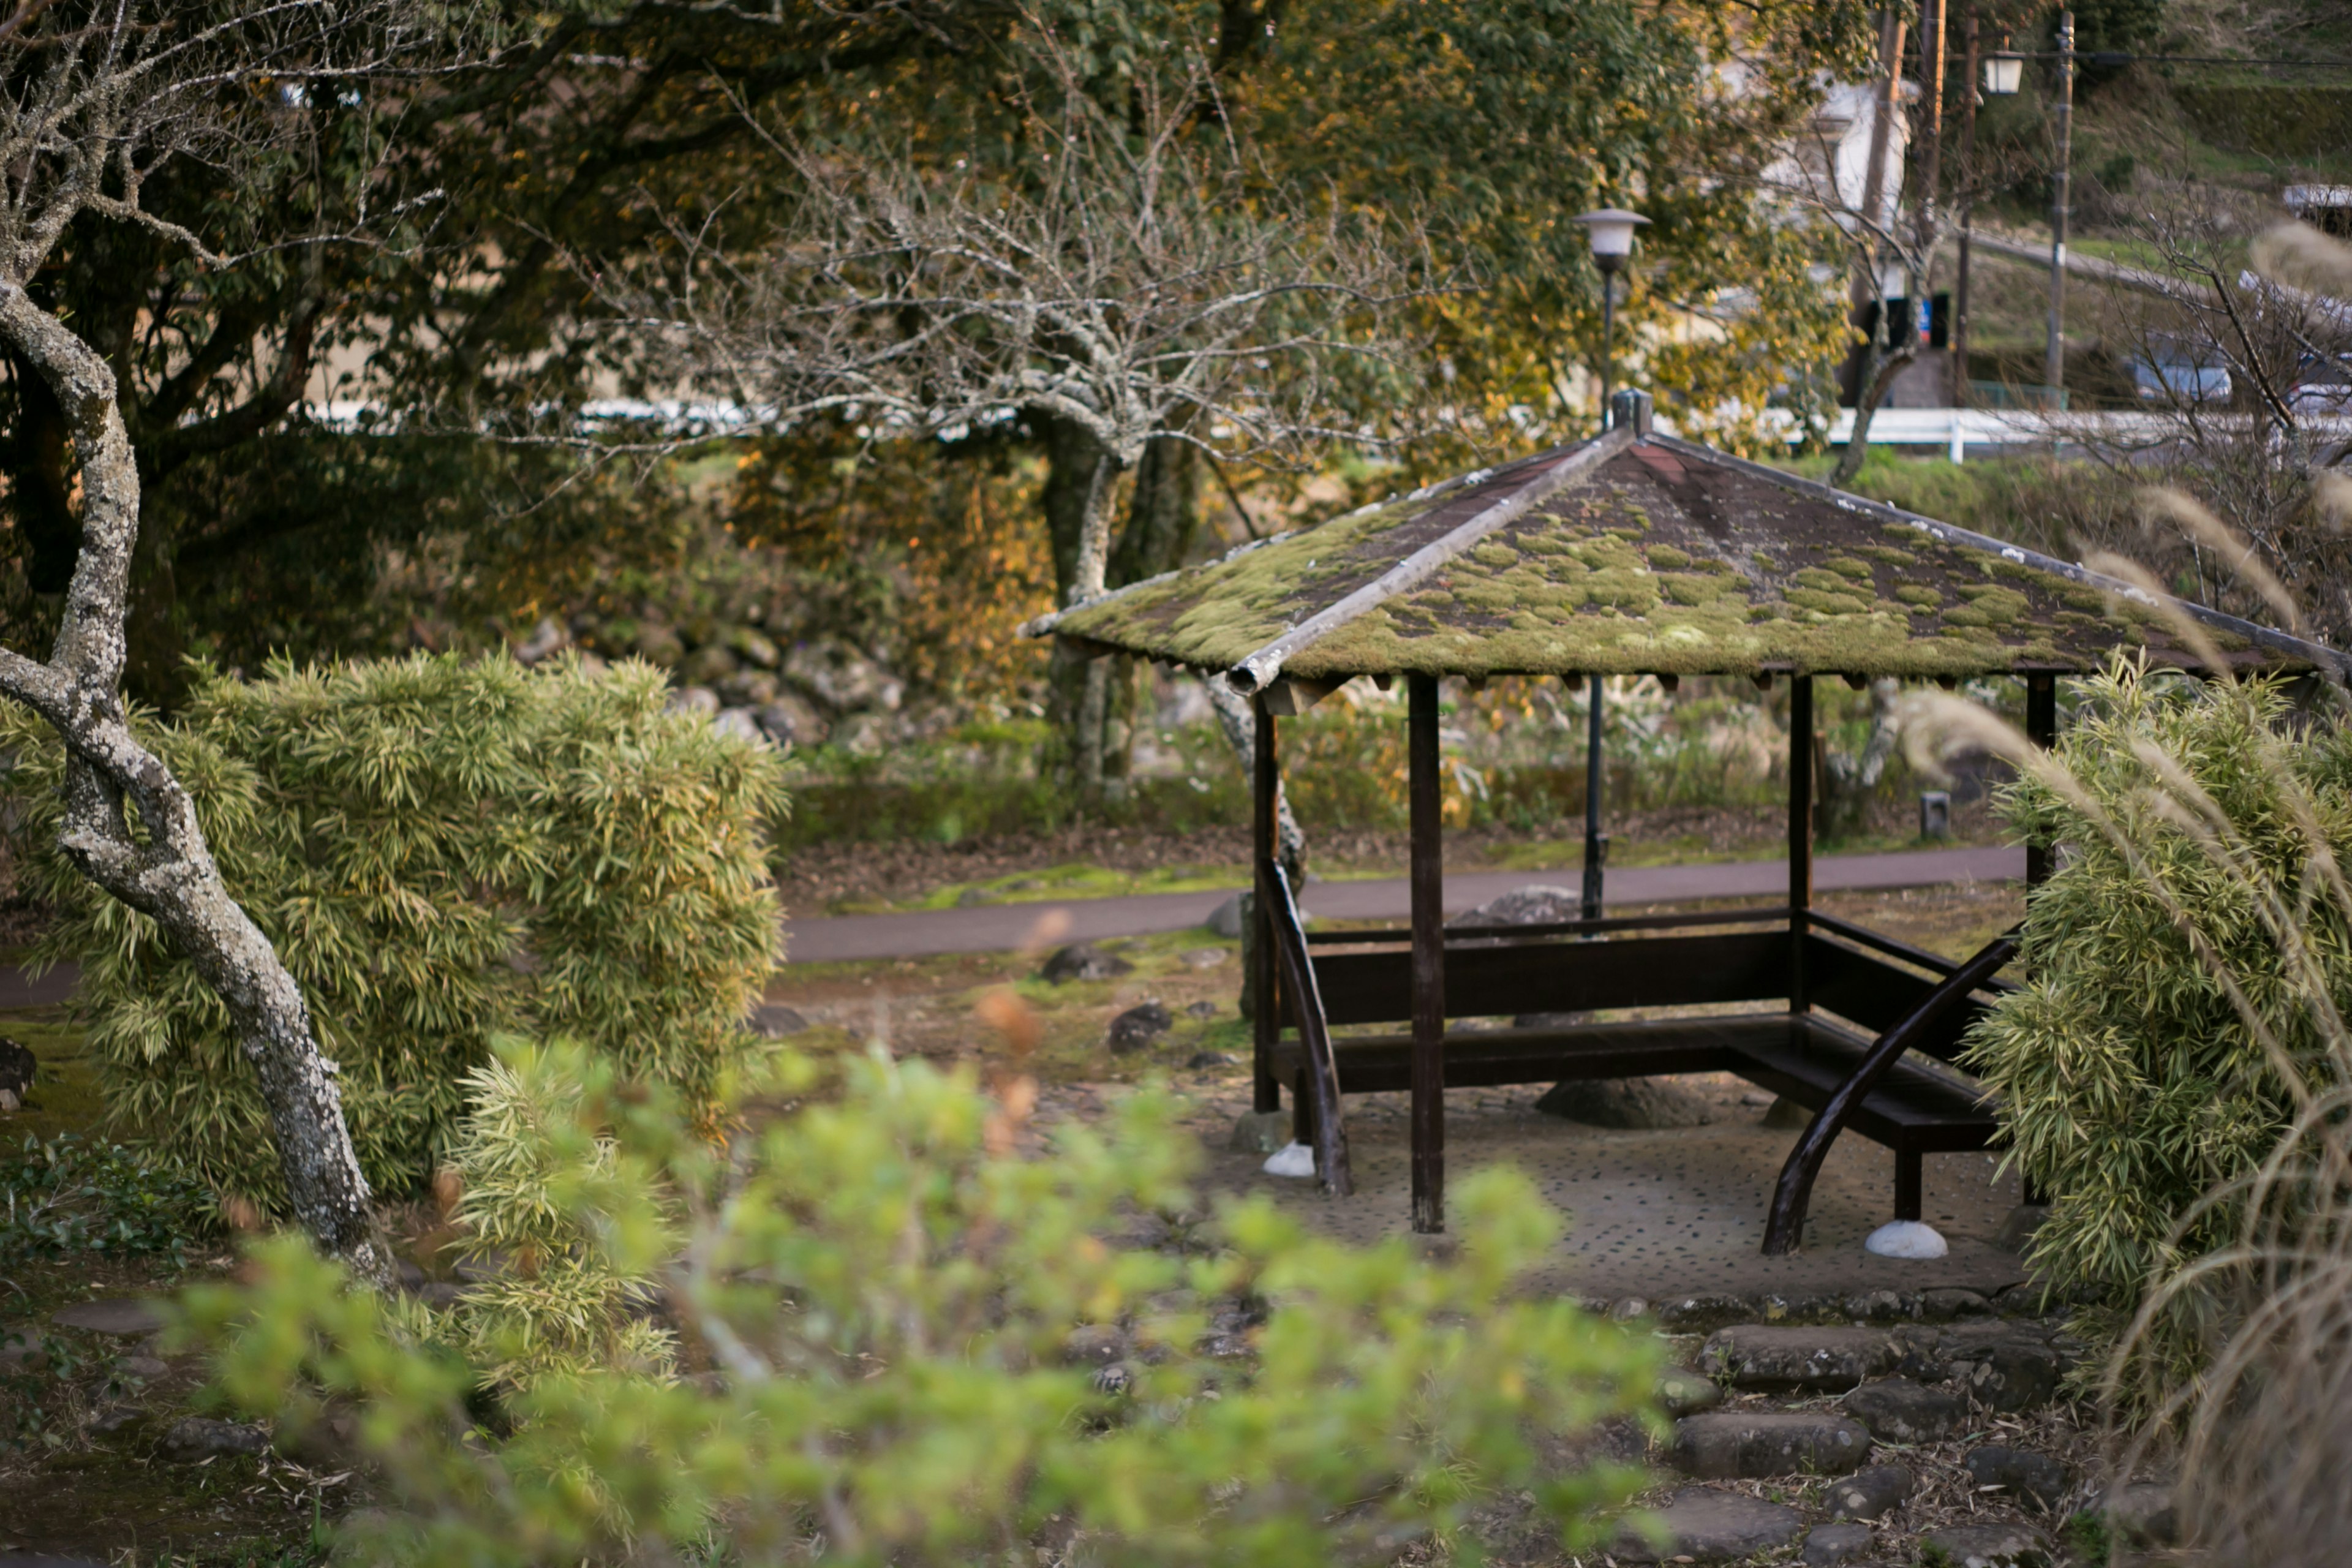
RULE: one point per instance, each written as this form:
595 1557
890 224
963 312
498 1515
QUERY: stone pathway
1885 1430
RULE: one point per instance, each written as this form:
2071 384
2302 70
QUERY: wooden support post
1910 1178
1800 832
1428 961
2041 729
1265 1023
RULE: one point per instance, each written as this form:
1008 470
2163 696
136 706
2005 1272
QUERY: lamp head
2003 74
1609 231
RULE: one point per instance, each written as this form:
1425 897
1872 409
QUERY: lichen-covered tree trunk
164 869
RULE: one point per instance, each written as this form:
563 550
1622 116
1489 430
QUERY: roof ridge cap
1260 668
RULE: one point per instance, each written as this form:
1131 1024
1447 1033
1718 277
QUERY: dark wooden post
1265 1023
2041 729
1428 961
1800 832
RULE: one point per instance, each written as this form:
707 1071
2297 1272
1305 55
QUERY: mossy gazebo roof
1635 553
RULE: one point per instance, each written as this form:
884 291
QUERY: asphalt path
995 928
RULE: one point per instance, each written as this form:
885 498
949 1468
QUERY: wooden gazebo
1634 553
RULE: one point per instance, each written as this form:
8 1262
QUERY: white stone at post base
1292 1159
1905 1238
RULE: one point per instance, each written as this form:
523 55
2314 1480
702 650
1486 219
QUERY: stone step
1817 1359
1702 1524
1743 1445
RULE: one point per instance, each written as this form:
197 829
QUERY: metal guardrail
1795 1189
1322 1069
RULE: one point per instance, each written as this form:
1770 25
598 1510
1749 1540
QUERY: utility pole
1965 196
2053 356
1920 276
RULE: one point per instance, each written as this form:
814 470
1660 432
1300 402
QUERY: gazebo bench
1919 1106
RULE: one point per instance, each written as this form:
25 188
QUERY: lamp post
2004 73
1609 231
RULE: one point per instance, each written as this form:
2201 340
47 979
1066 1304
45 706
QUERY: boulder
195 1437
1735 1444
693 699
1832 1543
2142 1514
2007 1374
2021 1472
1988 1546
789 718
1785 1115
1897 1410
1869 1493
548 638
748 689
1817 1359
1206 957
1259 1132
1203 1010
1702 1524
1228 919
1683 1393
1905 1238
707 666
1647 1104
1534 905
752 648
740 724
1879 1307
774 1021
1206 1061
1083 960
1138 1027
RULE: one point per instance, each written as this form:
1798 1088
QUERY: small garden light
2003 74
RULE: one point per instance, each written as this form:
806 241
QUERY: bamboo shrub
441 850
2188 967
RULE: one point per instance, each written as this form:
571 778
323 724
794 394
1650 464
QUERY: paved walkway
997 928
993 928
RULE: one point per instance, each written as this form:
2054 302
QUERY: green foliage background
440 849
2204 841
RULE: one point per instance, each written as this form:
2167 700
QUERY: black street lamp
2003 74
1609 231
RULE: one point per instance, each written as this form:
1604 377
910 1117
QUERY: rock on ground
1648 1104
1683 1393
1832 1543
1739 1444
2143 1514
1898 1410
1083 960
1228 918
1533 905
194 1437
1759 1355
2021 1472
774 1021
1785 1115
1702 1314
1138 1027
123 1317
1989 1546
1260 1132
1705 1525
1869 1493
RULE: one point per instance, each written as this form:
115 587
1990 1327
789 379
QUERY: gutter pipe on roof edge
1260 668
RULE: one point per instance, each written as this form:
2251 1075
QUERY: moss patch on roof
1659 559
